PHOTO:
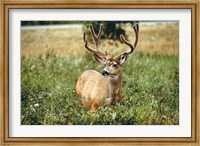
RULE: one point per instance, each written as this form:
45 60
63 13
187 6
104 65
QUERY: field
52 61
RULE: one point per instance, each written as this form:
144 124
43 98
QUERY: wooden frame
7 4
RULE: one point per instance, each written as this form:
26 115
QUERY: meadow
52 61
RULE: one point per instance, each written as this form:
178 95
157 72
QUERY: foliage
112 29
34 23
150 91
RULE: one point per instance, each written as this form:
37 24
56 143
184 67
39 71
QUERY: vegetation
150 83
34 23
158 38
112 29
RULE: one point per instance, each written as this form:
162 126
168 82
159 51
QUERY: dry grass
159 38
62 41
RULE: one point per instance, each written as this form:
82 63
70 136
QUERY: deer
96 89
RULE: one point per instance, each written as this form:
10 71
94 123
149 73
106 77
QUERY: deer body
90 83
96 89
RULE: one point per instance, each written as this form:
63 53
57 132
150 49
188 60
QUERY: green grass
150 91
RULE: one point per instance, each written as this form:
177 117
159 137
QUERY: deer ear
122 58
99 58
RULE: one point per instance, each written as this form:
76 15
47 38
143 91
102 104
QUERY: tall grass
150 91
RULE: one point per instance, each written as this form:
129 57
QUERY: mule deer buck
96 89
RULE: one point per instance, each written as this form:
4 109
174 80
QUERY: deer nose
105 73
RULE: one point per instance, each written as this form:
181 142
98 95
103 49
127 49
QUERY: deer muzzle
105 73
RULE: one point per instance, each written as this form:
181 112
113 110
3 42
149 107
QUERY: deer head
113 64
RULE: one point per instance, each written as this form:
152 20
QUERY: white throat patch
113 77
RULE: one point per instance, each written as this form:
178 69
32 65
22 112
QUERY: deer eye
115 65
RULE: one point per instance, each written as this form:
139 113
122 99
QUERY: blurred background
65 37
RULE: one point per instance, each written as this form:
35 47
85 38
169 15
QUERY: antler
96 39
132 46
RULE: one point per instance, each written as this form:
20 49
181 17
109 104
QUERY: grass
150 85
150 89
160 38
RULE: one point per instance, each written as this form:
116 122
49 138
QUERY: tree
112 29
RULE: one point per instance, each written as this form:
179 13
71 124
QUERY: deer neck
114 84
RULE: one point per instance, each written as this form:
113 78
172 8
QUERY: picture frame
111 4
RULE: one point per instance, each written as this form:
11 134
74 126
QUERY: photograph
99 72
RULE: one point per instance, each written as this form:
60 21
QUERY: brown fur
95 89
